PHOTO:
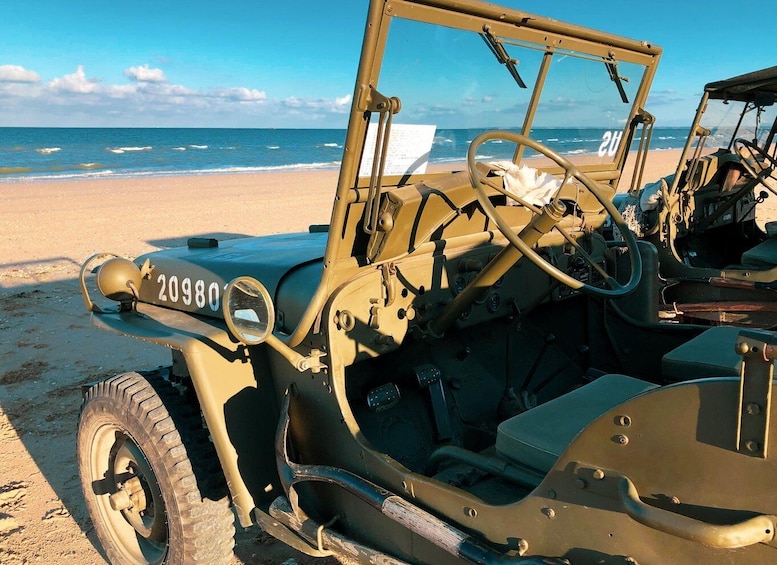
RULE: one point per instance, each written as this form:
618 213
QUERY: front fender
234 389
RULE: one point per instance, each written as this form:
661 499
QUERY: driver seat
537 437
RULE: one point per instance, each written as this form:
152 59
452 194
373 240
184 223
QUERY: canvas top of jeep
711 219
460 367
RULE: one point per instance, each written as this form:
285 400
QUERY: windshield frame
473 16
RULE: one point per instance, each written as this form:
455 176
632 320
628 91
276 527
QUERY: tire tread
203 513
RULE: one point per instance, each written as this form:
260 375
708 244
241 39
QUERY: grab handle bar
759 529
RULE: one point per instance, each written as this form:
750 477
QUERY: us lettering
610 142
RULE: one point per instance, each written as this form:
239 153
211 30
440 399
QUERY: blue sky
259 63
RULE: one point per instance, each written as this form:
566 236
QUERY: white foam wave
198 146
120 150
48 150
329 165
61 176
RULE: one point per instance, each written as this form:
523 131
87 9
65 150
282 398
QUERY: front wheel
144 461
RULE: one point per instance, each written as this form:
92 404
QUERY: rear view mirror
762 99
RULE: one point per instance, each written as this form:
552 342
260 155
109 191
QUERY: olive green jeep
463 366
714 221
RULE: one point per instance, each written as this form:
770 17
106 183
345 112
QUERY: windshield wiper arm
612 69
501 54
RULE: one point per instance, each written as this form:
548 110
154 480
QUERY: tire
143 450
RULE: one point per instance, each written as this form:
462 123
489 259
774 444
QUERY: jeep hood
193 278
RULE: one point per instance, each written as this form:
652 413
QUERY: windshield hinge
373 101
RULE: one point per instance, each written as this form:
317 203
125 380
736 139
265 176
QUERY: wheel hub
129 496
137 494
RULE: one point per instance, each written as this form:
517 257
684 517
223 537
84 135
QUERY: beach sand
47 229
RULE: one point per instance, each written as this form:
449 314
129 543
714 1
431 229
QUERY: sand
48 348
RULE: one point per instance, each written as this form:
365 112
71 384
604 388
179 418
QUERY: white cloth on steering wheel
528 184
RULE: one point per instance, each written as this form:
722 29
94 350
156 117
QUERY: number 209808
189 292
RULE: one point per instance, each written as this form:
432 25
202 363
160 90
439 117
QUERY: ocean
75 153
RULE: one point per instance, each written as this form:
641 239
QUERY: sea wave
55 153
14 170
328 165
120 150
443 160
54 177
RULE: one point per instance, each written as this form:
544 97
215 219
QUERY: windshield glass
723 120
457 81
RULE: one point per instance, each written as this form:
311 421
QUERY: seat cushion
761 257
710 354
539 436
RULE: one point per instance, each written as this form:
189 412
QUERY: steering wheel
570 172
750 153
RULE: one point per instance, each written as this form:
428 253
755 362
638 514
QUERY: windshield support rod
501 54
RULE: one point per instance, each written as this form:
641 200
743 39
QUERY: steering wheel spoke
571 174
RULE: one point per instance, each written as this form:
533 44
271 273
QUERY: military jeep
713 220
465 364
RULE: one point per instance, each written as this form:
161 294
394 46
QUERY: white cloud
147 99
145 74
243 94
15 73
336 106
76 83
293 102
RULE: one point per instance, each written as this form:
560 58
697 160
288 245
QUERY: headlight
119 279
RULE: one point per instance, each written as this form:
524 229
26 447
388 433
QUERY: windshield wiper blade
501 54
612 69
